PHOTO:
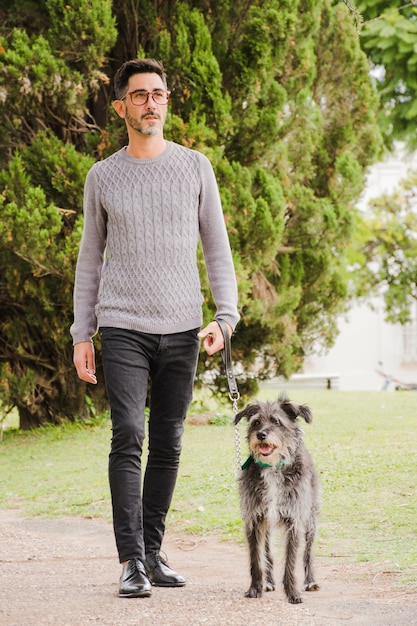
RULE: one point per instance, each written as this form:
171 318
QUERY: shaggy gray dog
278 486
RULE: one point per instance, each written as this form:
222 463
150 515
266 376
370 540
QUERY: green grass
364 446
56 471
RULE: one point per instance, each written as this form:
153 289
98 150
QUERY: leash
234 394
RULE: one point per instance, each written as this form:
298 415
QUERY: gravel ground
64 572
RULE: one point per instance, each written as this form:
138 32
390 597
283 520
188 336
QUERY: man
137 283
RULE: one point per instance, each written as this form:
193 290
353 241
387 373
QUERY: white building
366 343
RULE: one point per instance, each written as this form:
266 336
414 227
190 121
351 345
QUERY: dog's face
273 433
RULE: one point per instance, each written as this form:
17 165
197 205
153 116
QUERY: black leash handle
227 360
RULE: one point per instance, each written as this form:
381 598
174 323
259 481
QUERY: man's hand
213 337
84 361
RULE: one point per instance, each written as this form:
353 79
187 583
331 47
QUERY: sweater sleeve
216 248
90 262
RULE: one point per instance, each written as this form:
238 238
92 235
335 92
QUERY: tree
50 75
384 259
389 38
278 96
384 254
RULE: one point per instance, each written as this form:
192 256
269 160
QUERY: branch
11 353
40 270
413 3
356 15
242 15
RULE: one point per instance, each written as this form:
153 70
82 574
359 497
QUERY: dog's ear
247 412
296 410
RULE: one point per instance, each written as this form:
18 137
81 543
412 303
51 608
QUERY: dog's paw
312 586
270 586
295 598
253 592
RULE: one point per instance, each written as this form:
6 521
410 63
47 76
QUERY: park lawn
364 445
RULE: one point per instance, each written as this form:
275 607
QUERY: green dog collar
250 460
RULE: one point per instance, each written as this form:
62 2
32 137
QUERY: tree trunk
63 398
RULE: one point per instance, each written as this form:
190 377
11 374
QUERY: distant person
137 283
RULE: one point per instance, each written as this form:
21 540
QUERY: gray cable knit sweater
137 265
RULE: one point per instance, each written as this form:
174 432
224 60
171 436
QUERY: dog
278 486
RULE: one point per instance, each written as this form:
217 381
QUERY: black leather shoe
159 572
134 583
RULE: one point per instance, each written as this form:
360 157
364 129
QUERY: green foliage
384 252
389 37
82 33
388 251
37 89
49 76
52 72
291 168
276 94
38 246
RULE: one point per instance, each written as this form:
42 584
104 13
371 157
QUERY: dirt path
64 572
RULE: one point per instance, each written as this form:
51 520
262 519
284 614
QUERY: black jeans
134 362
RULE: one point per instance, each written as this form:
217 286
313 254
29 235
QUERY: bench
305 381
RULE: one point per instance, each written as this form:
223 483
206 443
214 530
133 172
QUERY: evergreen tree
51 75
277 95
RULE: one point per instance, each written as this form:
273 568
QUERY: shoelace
158 558
139 566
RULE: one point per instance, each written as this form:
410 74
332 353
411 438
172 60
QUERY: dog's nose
261 435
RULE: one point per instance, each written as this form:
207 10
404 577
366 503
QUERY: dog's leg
292 544
269 564
309 582
255 534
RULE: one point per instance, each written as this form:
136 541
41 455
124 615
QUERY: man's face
148 118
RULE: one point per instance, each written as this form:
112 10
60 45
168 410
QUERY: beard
143 127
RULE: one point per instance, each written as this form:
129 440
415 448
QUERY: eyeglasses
140 96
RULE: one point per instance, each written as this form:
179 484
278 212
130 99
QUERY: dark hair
136 66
